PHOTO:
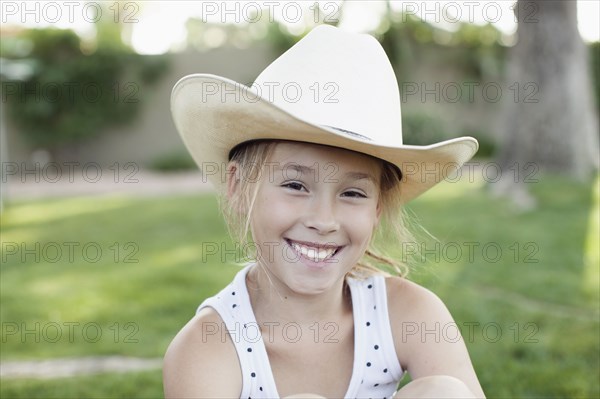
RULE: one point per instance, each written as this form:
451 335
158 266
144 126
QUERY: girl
310 163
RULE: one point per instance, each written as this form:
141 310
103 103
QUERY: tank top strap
234 307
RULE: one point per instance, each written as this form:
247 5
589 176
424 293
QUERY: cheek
362 221
271 214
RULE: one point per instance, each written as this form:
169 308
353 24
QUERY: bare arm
428 344
199 364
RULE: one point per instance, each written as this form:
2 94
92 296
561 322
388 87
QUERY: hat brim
212 124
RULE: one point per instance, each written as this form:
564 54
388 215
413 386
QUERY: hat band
349 132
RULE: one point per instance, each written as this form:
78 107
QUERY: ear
233 180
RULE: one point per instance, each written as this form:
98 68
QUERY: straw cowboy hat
333 88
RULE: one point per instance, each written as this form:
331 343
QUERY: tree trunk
549 119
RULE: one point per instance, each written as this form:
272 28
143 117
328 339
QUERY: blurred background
110 236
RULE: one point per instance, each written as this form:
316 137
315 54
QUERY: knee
435 386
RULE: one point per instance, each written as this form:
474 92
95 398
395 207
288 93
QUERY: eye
353 194
294 185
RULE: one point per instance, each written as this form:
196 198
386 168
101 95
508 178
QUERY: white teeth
322 254
314 254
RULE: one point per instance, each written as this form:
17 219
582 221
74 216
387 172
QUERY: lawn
120 275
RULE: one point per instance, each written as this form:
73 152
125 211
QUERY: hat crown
331 88
337 79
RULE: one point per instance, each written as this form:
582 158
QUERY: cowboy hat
333 88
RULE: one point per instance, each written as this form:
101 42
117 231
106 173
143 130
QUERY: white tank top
376 370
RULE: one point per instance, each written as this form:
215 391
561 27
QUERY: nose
320 216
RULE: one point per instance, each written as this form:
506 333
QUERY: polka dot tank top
376 370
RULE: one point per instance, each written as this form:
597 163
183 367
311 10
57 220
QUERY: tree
75 89
551 123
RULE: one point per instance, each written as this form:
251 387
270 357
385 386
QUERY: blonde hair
237 208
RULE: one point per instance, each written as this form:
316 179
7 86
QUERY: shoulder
408 301
428 341
417 317
201 361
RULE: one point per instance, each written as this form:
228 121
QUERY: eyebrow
307 170
360 176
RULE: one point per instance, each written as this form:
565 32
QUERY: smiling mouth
314 252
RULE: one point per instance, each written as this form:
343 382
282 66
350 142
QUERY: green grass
146 283
530 314
131 385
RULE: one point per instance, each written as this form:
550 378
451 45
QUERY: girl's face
314 215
